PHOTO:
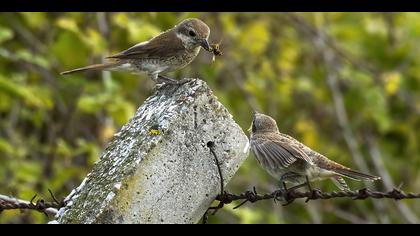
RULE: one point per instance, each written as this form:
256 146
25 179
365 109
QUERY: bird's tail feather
103 66
356 175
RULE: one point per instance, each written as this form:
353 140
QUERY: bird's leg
167 80
310 189
184 80
159 83
286 193
279 195
282 181
296 187
282 194
290 175
306 183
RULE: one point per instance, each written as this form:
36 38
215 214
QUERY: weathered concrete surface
171 177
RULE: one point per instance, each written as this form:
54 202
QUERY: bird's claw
314 192
184 81
170 81
279 195
283 197
160 86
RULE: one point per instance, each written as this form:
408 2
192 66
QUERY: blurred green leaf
5 34
37 20
6 147
256 39
31 58
121 111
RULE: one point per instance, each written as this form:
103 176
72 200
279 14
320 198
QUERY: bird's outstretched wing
164 45
278 153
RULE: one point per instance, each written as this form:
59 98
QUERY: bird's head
193 33
263 123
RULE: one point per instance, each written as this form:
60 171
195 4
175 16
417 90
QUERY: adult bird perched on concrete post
288 160
168 51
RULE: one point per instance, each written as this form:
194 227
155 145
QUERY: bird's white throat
187 41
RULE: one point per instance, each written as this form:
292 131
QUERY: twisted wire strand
48 208
288 197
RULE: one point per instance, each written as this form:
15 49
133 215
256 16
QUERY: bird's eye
192 33
254 128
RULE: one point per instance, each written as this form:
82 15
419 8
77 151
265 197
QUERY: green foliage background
53 128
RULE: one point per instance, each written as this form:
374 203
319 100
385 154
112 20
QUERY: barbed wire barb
48 208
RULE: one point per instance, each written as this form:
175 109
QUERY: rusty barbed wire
288 197
314 194
211 146
48 208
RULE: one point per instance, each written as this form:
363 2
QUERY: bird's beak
205 44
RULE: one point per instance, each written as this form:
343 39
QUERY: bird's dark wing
278 153
166 44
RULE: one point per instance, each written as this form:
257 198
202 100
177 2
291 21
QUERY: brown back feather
166 44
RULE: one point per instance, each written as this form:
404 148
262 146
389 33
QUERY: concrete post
158 167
